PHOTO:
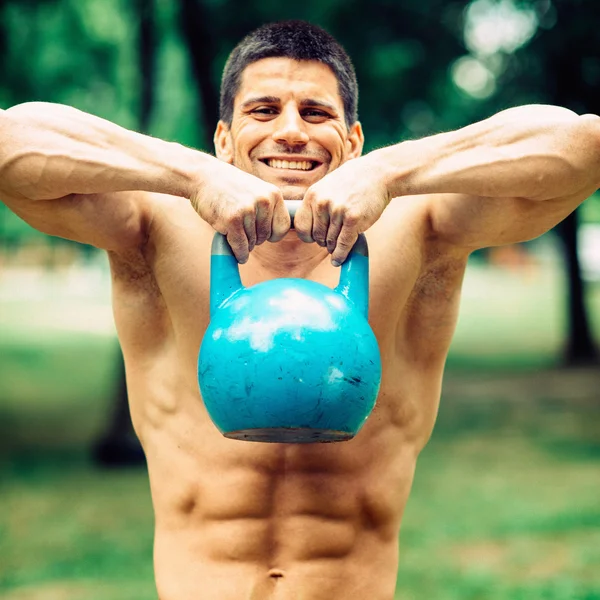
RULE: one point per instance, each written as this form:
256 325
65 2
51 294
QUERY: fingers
238 241
321 222
335 227
264 217
247 210
303 222
344 243
329 225
250 224
280 223
337 232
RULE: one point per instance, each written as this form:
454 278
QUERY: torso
239 520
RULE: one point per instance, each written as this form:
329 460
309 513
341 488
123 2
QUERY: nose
290 128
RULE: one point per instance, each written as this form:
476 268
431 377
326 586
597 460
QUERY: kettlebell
289 360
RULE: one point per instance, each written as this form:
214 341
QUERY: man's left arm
508 178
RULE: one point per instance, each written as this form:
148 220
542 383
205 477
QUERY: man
238 520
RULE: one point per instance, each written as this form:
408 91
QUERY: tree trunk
580 348
198 34
147 60
568 88
118 445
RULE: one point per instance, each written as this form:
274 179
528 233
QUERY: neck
290 257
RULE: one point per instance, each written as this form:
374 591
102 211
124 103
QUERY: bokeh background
506 501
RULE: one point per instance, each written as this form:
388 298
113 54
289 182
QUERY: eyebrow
312 102
261 100
276 100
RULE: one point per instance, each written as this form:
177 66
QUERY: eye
315 115
264 111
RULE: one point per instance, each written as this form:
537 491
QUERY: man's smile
302 166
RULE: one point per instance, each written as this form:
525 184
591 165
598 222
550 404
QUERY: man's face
288 125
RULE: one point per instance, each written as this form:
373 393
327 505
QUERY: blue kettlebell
289 360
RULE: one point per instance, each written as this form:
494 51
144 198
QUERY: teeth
299 165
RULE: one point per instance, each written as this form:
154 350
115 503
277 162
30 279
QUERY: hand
343 204
242 207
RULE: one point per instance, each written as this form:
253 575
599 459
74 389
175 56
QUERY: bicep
478 222
114 221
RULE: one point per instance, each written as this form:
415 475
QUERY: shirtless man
238 520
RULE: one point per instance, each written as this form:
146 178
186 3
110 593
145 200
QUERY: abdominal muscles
312 521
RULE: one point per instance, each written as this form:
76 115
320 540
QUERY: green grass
515 319
75 528
506 500
505 505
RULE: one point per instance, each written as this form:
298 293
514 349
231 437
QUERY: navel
275 573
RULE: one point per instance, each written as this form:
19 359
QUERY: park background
506 501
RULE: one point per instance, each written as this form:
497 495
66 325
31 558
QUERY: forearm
534 152
49 151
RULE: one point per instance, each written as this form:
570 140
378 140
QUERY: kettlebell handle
225 274
293 206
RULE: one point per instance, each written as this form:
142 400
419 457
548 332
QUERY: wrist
394 167
420 166
184 171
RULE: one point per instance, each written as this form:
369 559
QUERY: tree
198 34
117 445
561 65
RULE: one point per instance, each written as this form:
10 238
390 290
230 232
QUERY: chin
293 192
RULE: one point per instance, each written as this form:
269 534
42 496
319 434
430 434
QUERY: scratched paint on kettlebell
296 357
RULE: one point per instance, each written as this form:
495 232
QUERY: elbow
36 114
7 135
19 162
22 157
589 134
28 110
592 125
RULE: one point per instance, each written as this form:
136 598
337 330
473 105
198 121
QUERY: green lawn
506 501
505 506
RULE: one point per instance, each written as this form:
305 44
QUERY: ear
355 141
223 143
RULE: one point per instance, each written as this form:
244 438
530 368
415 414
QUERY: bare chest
183 276
413 304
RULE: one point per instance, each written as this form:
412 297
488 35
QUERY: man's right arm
48 151
67 172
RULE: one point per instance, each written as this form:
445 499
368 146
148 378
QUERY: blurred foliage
423 65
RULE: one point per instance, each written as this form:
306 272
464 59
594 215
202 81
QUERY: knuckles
351 219
265 203
237 220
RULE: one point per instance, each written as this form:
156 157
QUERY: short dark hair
298 40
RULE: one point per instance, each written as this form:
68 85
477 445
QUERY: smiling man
238 520
280 90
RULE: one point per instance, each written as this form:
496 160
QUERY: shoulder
173 217
165 221
177 251
409 255
409 261
406 232
131 261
